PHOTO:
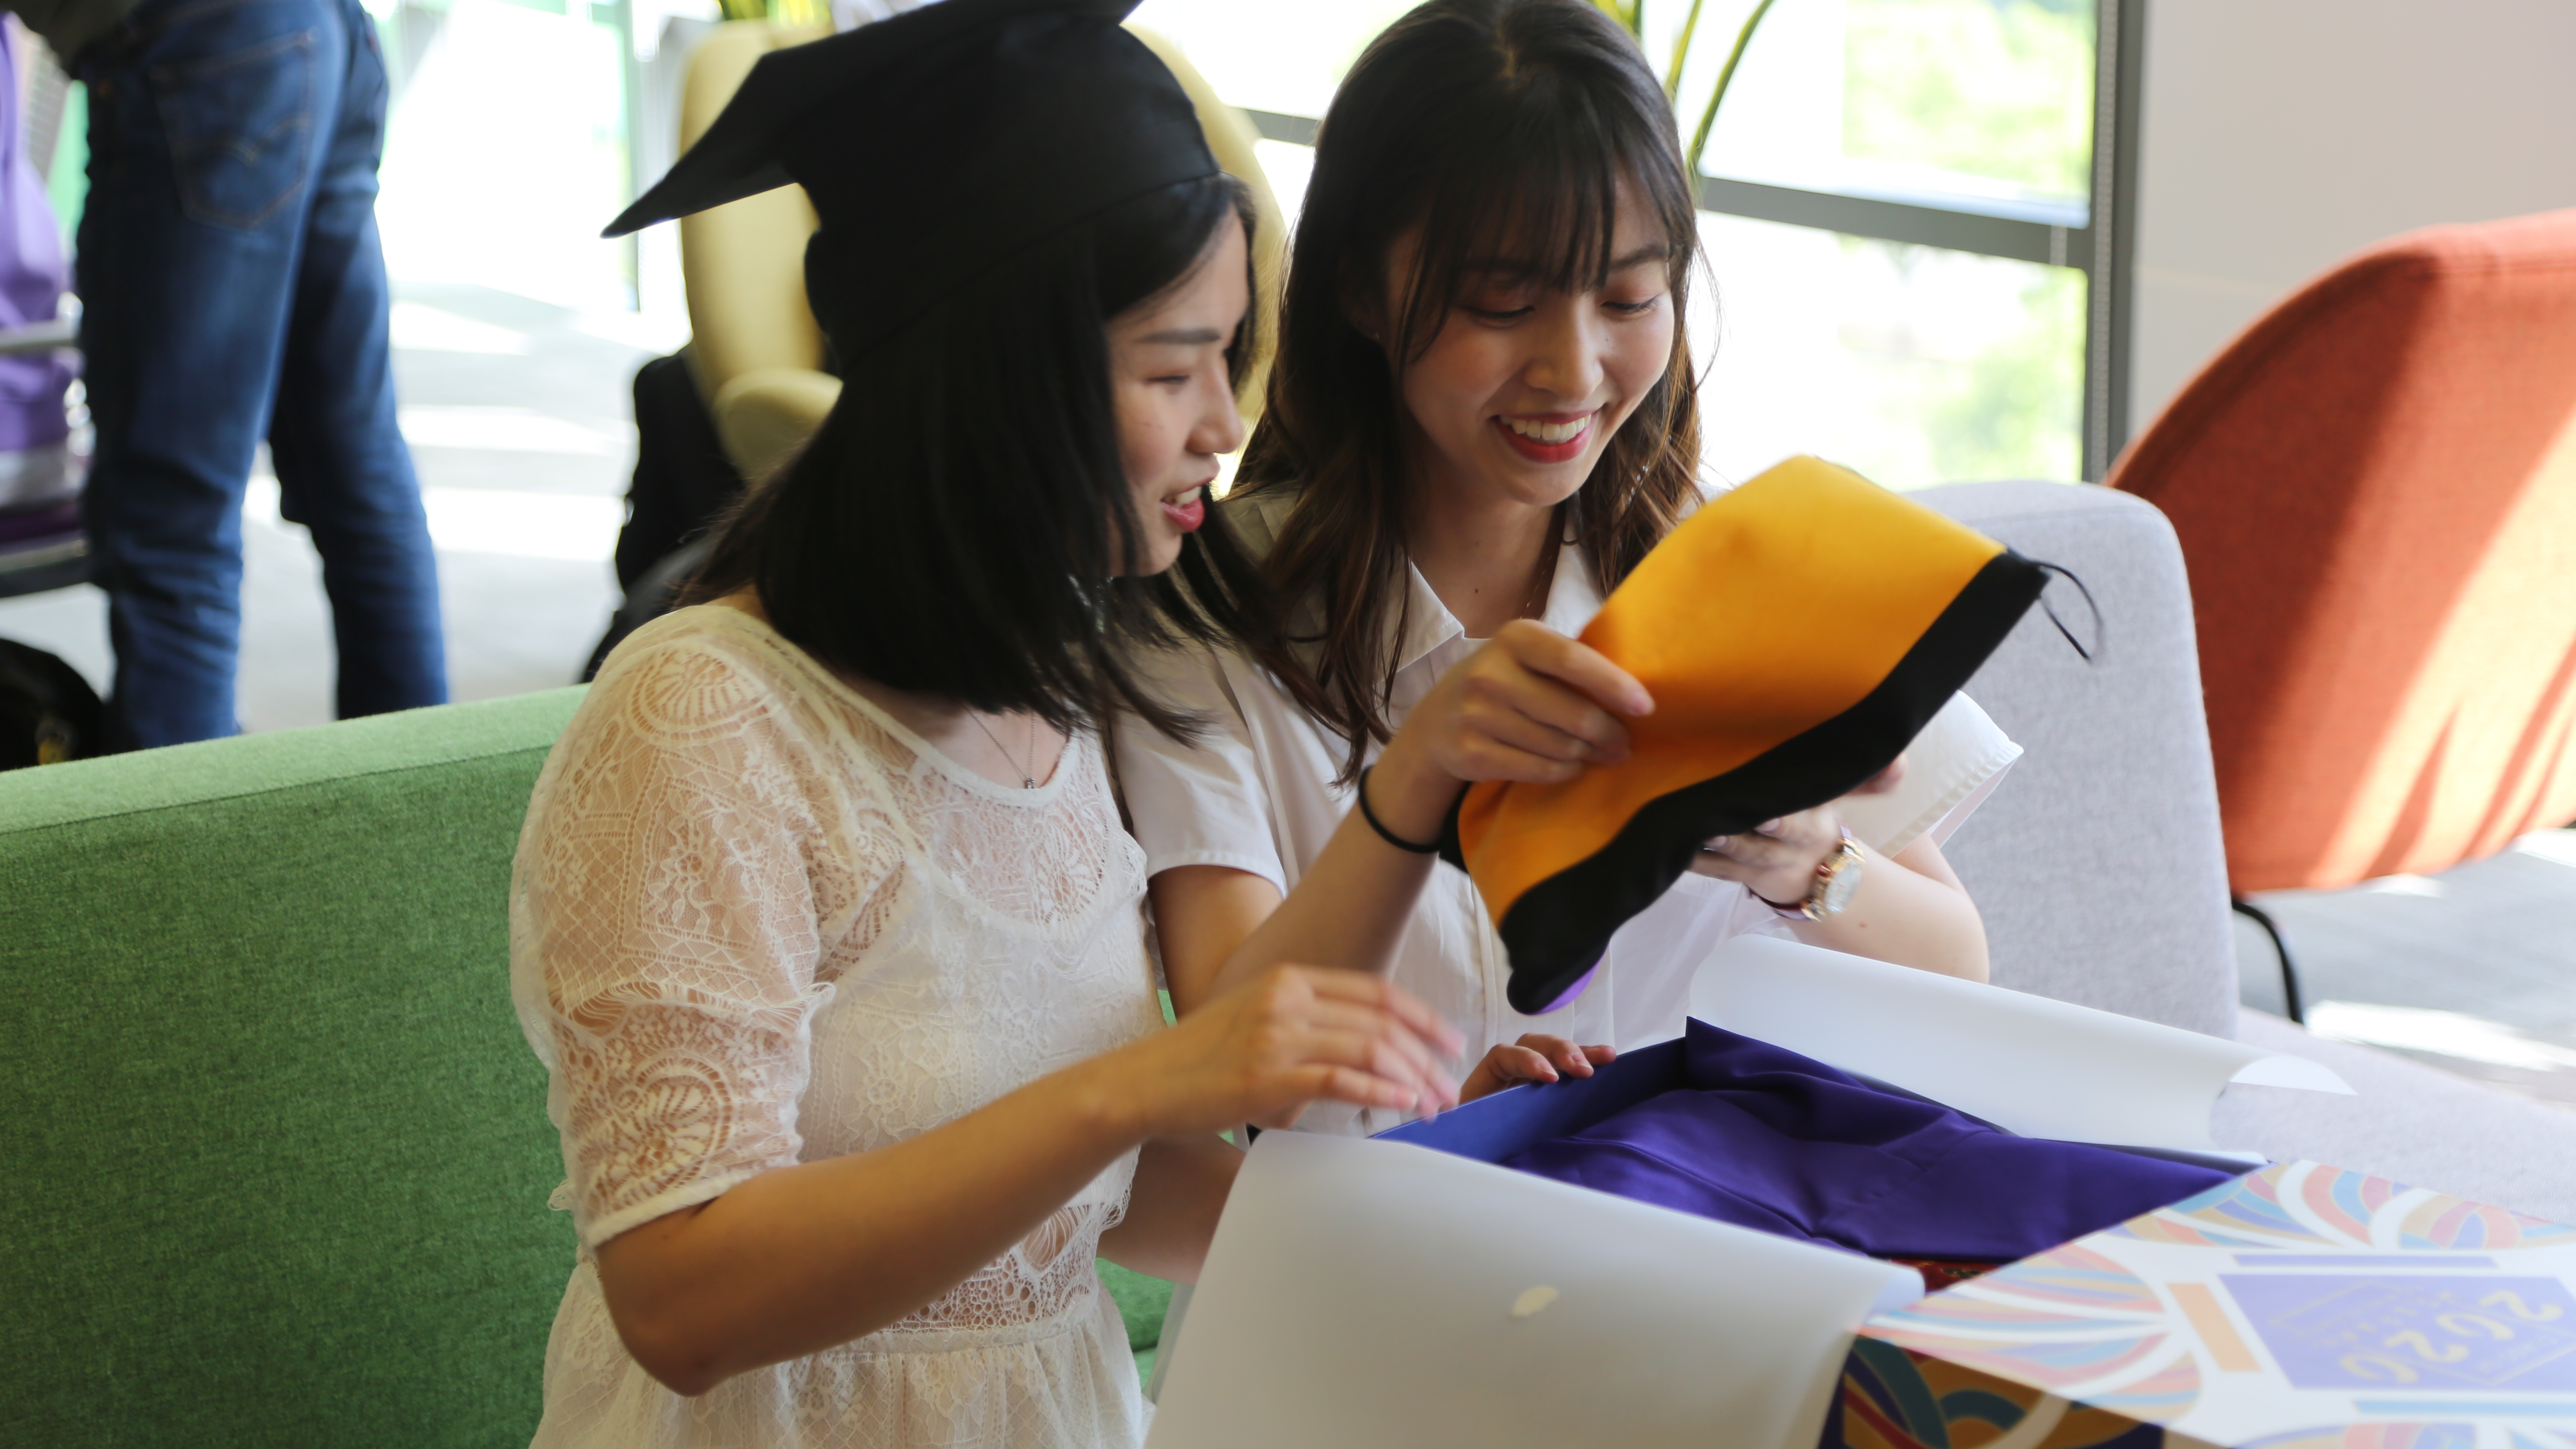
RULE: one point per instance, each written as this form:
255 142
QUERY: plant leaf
1629 13
1725 78
1681 52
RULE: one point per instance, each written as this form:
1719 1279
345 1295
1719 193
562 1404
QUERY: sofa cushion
279 1154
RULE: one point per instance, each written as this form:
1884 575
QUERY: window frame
2097 238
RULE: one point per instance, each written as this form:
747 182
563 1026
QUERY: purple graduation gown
1767 1139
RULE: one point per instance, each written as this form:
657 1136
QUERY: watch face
1839 886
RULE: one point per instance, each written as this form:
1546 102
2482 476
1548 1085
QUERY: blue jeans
234 288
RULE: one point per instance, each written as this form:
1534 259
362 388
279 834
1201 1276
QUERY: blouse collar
1424 624
1572 599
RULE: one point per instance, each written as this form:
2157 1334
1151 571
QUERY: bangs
1535 200
1496 138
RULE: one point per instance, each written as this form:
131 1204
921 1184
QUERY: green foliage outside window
2003 401
801 14
1972 96
2001 89
2014 410
1632 15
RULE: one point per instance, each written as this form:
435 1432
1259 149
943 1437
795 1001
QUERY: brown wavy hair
1468 120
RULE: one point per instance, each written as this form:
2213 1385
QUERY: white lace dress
757 922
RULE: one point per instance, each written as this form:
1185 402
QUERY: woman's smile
1187 509
1547 437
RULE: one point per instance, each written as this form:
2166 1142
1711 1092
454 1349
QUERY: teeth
1539 432
1183 499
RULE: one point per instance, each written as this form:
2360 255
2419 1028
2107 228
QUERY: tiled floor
2473 970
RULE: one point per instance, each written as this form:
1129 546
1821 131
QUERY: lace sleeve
664 935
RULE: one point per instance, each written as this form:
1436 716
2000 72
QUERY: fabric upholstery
2376 489
1142 1302
2098 865
2416 1124
2096 862
743 264
279 1156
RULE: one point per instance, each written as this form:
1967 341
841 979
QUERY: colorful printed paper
2300 1307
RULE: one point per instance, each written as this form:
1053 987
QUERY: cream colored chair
757 353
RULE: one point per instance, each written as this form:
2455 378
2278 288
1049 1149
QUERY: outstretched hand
1292 1036
1531 704
1536 1057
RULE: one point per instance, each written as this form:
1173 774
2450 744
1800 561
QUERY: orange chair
2375 491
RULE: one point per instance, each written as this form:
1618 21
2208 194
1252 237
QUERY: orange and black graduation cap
939 143
1796 634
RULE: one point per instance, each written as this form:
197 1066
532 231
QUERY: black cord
2292 1005
1389 836
2088 655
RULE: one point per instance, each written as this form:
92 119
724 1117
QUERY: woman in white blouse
1481 415
822 921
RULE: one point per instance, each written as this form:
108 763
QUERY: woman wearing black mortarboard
823 921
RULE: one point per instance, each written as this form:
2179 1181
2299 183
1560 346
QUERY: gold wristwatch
1836 878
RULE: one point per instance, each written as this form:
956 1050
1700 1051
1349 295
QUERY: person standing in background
38 473
234 289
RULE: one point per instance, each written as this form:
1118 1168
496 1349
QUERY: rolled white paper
2029 1064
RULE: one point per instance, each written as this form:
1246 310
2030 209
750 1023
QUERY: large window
1914 237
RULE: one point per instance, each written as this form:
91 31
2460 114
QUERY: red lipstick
1538 452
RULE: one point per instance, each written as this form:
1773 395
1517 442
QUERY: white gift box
1382 1292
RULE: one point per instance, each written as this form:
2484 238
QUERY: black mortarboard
938 143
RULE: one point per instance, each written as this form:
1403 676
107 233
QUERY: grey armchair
2100 870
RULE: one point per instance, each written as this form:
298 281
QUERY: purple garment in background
1767 1139
31 279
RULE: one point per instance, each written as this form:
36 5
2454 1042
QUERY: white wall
2280 135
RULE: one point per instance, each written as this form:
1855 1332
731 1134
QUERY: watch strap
1811 908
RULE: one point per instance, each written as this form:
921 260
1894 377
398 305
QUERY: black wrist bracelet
1389 836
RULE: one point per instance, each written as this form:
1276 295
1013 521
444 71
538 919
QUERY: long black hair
960 523
1487 124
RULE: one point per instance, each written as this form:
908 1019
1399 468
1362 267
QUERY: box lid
2282 1306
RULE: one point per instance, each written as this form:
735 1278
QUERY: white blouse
756 922
1256 793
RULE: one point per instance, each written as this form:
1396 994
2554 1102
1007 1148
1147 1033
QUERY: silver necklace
1028 779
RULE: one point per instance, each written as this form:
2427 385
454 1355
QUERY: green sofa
279 1153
